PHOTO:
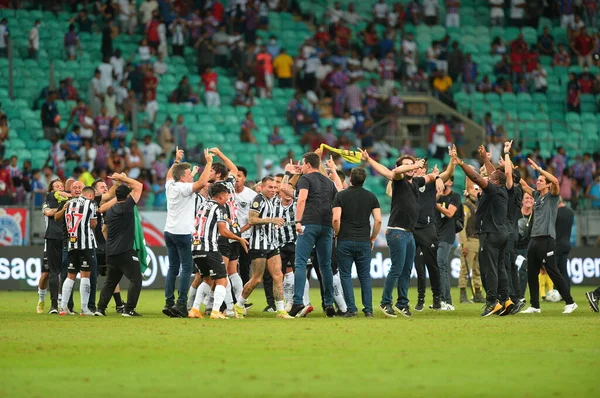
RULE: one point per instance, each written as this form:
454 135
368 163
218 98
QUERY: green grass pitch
446 354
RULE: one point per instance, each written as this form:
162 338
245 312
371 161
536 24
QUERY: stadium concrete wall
21 267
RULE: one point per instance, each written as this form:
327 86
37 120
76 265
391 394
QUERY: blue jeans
321 237
349 252
179 250
402 253
443 259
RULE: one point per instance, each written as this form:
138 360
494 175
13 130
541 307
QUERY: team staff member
313 225
564 224
399 235
121 258
470 247
491 226
53 244
542 247
446 206
180 190
352 210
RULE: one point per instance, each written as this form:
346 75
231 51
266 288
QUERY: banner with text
21 267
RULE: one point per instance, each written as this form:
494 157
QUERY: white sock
338 293
84 290
228 295
306 298
238 285
220 293
279 305
191 297
210 300
203 291
42 294
66 292
242 301
288 287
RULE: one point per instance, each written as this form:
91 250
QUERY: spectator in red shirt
440 137
583 45
532 58
573 91
210 81
218 10
152 31
562 57
7 189
322 37
265 60
586 84
518 45
342 35
149 83
102 123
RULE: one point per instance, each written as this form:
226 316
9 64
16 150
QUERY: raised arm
110 194
555 188
107 205
178 157
449 172
471 173
135 185
203 180
334 176
228 163
526 187
485 156
508 166
378 167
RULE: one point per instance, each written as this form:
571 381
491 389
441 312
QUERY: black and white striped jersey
78 216
231 206
287 233
262 237
206 229
199 201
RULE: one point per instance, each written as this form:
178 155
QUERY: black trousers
426 256
542 253
244 262
561 263
522 273
511 270
491 264
123 264
54 249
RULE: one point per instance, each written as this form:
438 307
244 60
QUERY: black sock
117 297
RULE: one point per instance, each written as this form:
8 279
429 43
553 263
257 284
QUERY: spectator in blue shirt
73 139
546 43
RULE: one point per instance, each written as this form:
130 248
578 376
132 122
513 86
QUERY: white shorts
212 98
452 20
269 80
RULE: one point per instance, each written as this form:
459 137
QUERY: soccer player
121 258
52 248
180 190
403 218
226 174
80 219
542 246
491 219
286 241
243 199
263 249
211 223
201 197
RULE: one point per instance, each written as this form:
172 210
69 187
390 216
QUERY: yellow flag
351 156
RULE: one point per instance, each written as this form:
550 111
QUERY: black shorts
80 261
268 254
210 264
228 249
288 255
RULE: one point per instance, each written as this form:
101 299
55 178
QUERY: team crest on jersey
422 189
255 205
243 205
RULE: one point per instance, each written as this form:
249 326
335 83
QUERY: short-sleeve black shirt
357 205
515 201
405 203
54 229
426 206
120 221
321 191
491 210
445 226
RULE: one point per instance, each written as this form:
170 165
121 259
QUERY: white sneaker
288 306
570 308
532 310
443 306
450 307
86 313
230 313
